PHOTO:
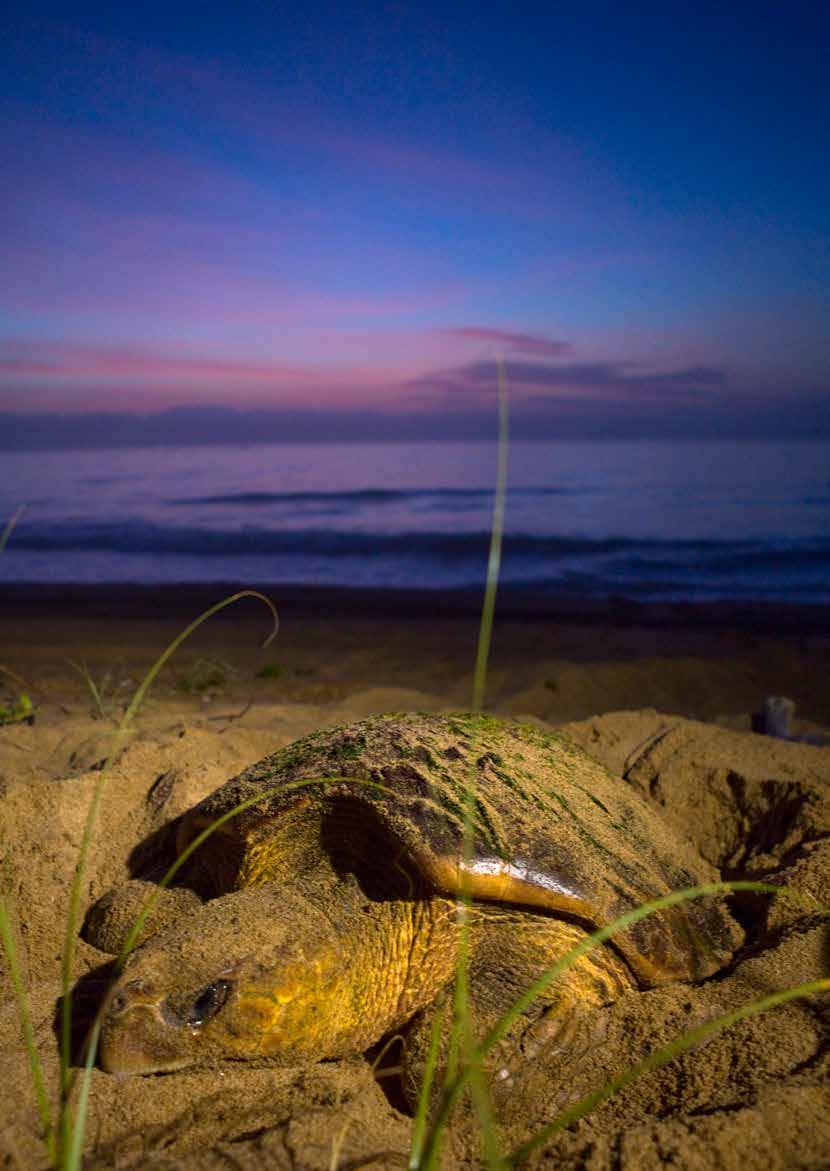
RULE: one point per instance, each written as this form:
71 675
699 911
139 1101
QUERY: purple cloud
604 380
522 343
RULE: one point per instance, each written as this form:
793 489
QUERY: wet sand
665 696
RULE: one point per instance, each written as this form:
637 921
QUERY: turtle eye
207 1003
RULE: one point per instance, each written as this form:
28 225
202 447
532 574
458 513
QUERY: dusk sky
342 214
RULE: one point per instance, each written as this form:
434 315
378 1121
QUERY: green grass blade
22 1000
73 913
10 950
10 526
461 1040
83 671
460 1045
72 1155
486 1117
419 1122
596 939
662 1057
494 560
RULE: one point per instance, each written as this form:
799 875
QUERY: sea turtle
331 912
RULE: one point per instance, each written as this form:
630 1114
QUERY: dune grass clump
270 671
205 675
17 708
110 695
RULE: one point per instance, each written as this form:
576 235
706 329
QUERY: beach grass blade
10 525
22 1001
92 686
461 1048
419 1122
488 609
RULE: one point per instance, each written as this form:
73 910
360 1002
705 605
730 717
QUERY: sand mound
754 1096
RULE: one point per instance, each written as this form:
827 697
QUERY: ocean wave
653 554
365 496
653 569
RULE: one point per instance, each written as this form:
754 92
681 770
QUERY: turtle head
253 974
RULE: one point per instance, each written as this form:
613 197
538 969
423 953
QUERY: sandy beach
324 327
665 696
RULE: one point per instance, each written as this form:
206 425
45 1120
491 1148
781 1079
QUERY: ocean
646 520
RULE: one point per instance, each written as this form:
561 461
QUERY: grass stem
461 1041
92 686
488 608
10 525
10 950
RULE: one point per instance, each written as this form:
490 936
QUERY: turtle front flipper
513 948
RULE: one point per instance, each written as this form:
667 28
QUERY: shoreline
553 657
514 604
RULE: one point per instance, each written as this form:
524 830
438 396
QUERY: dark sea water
646 520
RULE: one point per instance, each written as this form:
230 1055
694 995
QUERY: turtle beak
140 1034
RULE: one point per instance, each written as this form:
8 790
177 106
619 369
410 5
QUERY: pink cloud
520 343
88 376
72 359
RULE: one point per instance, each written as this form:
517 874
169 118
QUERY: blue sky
349 211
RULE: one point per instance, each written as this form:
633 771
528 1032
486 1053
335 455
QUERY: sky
320 221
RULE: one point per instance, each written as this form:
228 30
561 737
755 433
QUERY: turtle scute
331 914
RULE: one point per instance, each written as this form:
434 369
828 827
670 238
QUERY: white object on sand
778 712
